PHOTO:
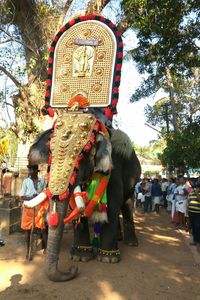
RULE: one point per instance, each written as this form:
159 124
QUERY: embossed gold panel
72 132
84 60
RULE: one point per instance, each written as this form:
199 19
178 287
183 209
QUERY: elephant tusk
35 201
78 198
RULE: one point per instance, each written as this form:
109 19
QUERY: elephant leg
81 249
53 249
120 230
129 234
109 251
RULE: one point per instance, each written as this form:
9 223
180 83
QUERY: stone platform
10 215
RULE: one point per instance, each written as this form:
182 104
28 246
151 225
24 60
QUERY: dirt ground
163 267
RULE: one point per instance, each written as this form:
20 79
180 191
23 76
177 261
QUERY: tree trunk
172 98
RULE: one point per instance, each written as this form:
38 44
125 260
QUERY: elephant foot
106 256
82 253
55 275
131 241
130 238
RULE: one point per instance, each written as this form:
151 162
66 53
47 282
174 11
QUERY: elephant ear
103 159
39 151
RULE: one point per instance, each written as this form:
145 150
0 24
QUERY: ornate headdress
85 61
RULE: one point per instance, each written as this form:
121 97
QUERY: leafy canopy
167 33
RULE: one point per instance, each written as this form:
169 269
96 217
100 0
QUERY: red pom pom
102 19
114 101
117 78
119 54
50 60
48 82
50 111
63 29
118 33
120 44
87 147
111 25
52 49
118 67
108 113
72 22
47 94
49 71
56 38
116 90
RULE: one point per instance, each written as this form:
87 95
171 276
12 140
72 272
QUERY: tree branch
67 6
7 73
9 104
7 41
14 39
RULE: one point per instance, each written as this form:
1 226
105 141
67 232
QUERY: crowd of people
181 198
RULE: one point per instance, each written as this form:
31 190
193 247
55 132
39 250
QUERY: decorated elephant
116 154
92 168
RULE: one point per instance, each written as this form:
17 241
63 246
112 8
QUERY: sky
131 115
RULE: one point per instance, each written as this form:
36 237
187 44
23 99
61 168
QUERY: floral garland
110 110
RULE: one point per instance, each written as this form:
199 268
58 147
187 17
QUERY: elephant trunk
53 249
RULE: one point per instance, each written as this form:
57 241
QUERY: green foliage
167 32
151 152
183 150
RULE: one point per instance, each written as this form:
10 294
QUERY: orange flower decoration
78 101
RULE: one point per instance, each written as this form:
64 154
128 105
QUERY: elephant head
77 149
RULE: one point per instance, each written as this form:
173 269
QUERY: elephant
117 153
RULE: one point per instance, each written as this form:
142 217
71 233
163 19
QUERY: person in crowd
164 186
141 195
170 196
156 194
194 214
138 190
146 190
180 193
188 190
31 187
